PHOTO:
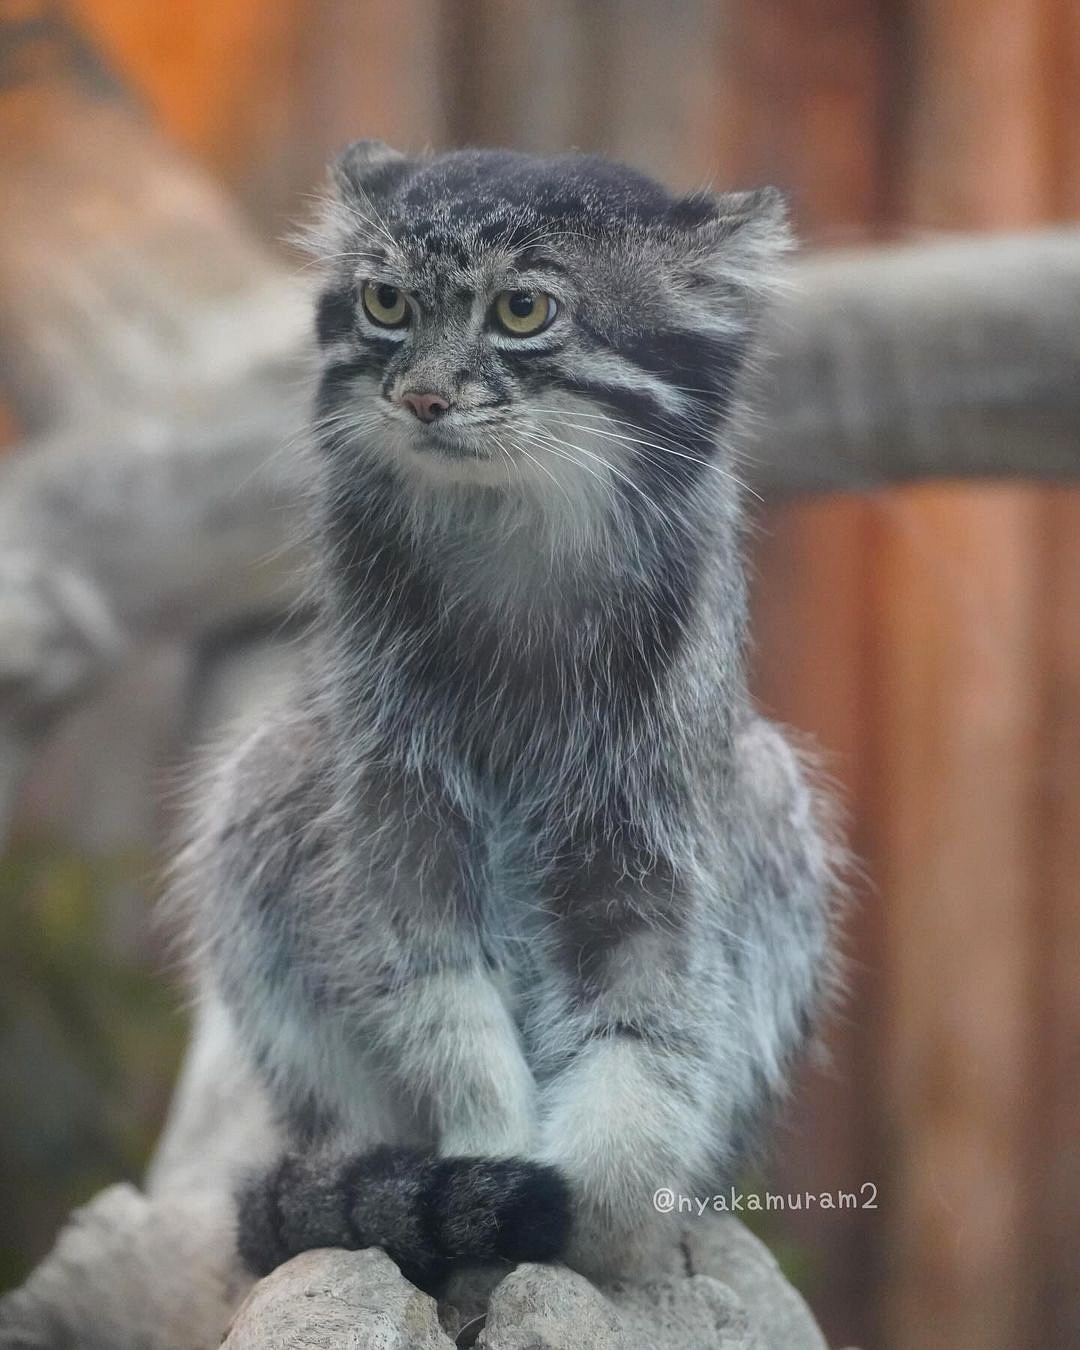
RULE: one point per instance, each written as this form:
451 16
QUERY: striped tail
428 1213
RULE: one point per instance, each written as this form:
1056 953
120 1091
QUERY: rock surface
138 1272
731 1296
335 1300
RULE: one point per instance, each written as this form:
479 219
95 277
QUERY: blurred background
925 636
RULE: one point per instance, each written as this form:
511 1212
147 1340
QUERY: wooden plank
957 583
811 671
803 94
622 77
972 125
1056 1142
263 92
1056 1149
530 77
659 71
371 69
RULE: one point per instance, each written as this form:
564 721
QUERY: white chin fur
556 459
433 464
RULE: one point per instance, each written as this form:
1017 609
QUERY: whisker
661 447
553 441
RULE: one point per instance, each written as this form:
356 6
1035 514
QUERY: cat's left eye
522 313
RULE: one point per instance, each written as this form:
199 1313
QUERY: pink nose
426 406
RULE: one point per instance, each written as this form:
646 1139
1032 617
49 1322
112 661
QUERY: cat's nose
427 406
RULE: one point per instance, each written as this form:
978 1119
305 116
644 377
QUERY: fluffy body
518 887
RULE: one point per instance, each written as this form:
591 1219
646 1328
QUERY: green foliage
90 1038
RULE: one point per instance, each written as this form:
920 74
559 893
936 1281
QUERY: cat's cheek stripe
335 314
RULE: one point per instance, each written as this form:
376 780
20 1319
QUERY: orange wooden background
926 637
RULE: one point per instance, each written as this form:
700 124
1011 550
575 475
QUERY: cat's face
533 324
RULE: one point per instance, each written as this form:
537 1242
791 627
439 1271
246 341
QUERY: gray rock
138 1273
335 1300
722 1247
693 1312
551 1308
729 1294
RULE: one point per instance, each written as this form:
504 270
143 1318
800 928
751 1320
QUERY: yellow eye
522 313
385 305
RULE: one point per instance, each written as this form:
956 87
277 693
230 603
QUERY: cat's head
535 324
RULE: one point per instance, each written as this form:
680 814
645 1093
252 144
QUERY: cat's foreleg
449 1043
634 1108
685 999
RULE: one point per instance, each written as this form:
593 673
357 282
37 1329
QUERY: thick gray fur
519 872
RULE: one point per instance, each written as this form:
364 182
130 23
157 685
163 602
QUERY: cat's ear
359 180
367 169
737 239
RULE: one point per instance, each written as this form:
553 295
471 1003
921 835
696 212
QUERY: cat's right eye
385 305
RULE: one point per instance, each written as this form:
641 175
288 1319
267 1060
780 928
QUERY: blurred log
956 357
155 347
146 330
